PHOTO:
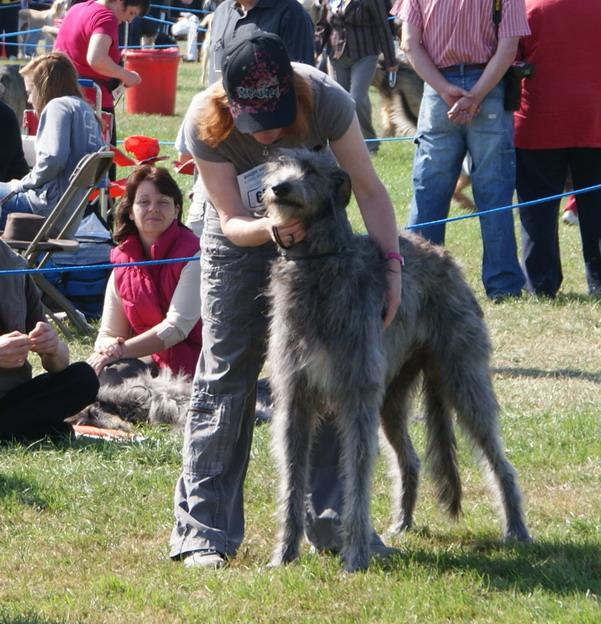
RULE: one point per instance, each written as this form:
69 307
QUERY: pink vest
146 291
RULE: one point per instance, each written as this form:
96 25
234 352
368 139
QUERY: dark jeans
39 407
542 173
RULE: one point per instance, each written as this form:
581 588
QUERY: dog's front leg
292 433
359 447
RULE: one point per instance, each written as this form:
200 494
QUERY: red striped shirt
461 31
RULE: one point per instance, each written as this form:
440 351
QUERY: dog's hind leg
441 448
293 428
404 461
359 445
477 413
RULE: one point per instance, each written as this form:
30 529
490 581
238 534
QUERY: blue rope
160 21
181 9
503 208
94 267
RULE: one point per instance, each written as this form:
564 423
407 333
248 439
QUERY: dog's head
303 184
59 7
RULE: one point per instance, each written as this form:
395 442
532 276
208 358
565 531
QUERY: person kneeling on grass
34 407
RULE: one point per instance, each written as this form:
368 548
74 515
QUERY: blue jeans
441 148
17 203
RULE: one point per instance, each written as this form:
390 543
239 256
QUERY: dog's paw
518 534
283 555
356 559
399 527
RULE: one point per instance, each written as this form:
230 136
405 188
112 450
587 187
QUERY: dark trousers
39 407
542 173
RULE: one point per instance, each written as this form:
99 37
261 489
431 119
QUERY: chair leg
76 317
59 323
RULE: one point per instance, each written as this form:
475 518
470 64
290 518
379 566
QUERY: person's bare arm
99 60
424 66
375 206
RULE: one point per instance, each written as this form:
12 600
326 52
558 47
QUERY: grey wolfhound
328 356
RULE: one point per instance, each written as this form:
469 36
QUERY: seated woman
68 130
34 407
151 311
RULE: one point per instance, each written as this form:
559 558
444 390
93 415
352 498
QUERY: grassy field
84 525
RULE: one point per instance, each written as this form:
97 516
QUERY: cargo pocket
208 434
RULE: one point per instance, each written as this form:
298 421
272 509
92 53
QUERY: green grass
84 525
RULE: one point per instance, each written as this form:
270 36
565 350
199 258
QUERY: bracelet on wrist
393 255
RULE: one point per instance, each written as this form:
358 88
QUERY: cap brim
260 121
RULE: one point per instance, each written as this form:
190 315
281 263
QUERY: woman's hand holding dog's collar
287 234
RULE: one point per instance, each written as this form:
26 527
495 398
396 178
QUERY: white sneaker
208 559
569 217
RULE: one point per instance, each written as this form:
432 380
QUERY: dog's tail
441 451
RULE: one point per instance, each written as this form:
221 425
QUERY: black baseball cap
258 81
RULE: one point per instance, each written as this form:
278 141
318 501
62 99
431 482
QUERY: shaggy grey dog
144 398
328 356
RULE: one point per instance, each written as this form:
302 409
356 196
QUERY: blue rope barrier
181 9
95 267
503 208
160 21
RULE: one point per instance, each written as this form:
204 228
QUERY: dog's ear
343 187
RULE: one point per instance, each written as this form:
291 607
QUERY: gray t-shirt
68 131
333 112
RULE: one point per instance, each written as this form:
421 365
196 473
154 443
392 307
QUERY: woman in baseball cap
232 129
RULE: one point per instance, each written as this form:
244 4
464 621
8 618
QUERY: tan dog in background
32 19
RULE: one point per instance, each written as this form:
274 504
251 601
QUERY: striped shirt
461 31
358 28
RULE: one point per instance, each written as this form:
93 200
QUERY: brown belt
463 67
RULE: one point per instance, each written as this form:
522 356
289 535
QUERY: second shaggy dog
160 400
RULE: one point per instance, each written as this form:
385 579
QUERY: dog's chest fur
323 307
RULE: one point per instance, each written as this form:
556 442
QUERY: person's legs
340 71
209 508
490 144
39 407
362 73
540 174
585 164
436 165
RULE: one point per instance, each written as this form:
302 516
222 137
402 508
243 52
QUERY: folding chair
62 223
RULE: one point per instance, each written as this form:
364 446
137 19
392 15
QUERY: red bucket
155 95
30 122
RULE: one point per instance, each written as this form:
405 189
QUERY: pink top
81 22
461 31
